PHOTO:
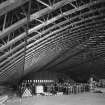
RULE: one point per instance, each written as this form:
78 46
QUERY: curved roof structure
55 35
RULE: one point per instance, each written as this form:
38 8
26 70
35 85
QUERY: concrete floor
78 99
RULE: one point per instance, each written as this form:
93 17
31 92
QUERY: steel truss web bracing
34 30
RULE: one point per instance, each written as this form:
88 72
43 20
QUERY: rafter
62 29
32 17
32 44
40 45
10 66
12 51
30 48
45 23
12 59
73 29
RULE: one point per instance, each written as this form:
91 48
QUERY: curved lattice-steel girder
56 32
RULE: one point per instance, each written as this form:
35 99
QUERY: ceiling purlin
15 58
69 68
8 72
63 59
14 40
34 37
95 54
100 27
65 52
4 30
46 41
32 17
14 50
64 16
44 46
51 62
7 44
65 33
8 69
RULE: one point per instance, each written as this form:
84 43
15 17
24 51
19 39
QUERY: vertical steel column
27 33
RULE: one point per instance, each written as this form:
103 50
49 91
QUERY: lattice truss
35 31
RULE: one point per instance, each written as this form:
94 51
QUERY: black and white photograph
52 52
